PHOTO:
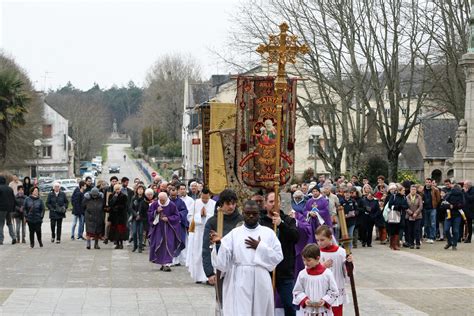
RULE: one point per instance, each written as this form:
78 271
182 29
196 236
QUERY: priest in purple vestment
165 241
315 213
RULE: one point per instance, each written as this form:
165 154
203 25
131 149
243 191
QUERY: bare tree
88 121
366 58
163 97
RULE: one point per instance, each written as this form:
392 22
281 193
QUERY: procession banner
222 118
256 130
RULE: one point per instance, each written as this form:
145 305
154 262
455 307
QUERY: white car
67 182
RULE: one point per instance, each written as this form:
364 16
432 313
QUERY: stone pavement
68 279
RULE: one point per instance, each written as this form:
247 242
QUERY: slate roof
435 135
411 158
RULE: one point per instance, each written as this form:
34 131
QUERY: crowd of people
177 222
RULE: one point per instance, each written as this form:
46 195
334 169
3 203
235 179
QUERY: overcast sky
109 42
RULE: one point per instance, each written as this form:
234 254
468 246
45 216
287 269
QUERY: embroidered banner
222 118
256 131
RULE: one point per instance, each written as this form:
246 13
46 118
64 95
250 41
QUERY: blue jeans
285 291
80 229
430 223
350 231
452 223
137 234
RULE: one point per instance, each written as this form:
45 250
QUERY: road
68 279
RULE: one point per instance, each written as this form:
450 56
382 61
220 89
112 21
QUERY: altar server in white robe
315 289
189 201
246 256
203 210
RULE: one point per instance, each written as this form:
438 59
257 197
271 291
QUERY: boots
383 236
96 244
88 244
396 242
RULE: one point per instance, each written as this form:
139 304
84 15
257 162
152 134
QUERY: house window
47 151
311 150
387 112
47 131
404 111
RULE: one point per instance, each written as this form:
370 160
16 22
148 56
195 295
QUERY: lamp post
315 133
37 143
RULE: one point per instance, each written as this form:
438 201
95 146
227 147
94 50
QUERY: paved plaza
68 279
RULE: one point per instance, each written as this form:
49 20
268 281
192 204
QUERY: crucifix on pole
281 49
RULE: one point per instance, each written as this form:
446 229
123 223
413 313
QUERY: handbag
60 209
393 216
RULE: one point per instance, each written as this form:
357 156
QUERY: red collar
332 248
317 270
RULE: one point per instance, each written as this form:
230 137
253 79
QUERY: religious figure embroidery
268 133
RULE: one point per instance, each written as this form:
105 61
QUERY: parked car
67 182
114 169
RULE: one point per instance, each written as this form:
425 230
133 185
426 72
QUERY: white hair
56 184
149 191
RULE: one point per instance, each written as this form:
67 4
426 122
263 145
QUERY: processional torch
346 241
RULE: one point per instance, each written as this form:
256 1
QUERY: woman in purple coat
165 242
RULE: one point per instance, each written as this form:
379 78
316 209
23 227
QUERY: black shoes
167 269
447 246
13 241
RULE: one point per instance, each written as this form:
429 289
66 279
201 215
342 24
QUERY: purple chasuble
165 241
307 226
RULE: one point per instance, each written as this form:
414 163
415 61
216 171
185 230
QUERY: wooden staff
346 241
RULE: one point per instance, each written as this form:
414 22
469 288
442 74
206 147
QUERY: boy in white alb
333 257
315 289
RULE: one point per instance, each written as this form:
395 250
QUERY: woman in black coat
118 217
93 205
57 204
370 215
34 213
398 203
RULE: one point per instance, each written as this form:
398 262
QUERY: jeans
56 233
80 229
413 232
430 223
3 216
137 234
452 224
350 231
285 291
20 223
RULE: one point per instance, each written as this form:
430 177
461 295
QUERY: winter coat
94 213
230 222
34 209
19 203
139 208
371 208
7 198
118 209
469 201
414 207
288 236
457 199
351 210
55 202
76 201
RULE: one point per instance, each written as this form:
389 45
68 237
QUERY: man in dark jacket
78 210
288 235
228 203
431 200
7 205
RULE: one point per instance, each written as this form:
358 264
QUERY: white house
55 155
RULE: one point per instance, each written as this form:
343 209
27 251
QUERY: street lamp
315 133
37 143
